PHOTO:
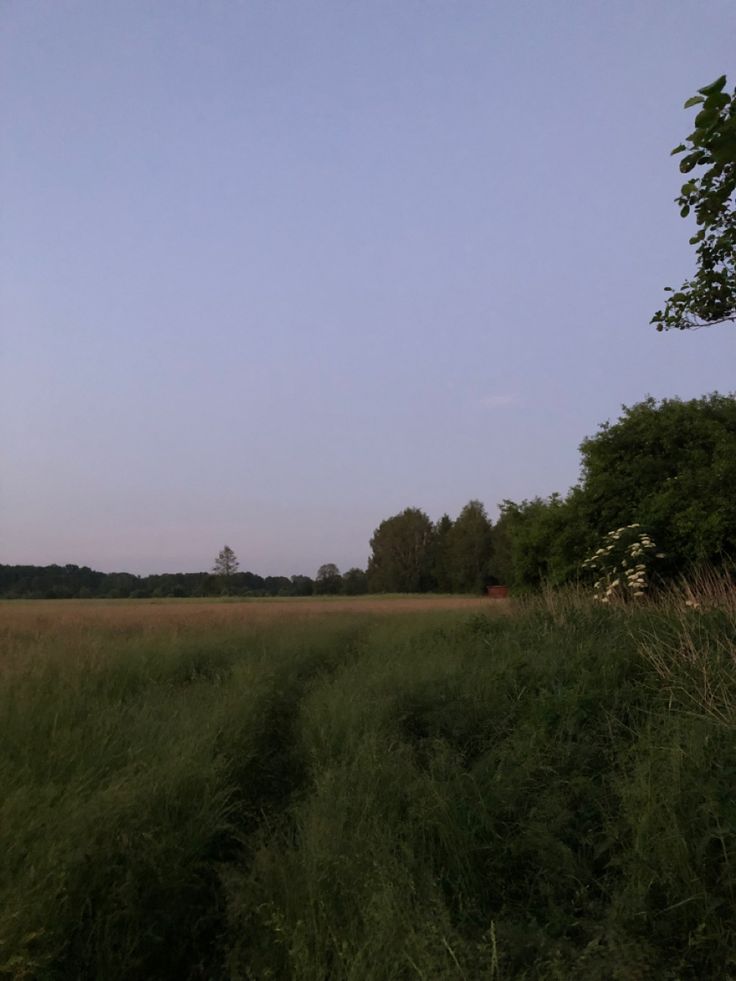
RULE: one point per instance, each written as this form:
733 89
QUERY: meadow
401 788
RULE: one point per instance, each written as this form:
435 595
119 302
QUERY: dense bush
668 466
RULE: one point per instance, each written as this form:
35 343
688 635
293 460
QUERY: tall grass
434 795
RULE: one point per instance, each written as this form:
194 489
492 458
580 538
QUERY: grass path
256 790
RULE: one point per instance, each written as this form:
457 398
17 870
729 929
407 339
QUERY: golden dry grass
123 612
73 626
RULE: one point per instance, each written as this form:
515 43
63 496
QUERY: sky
274 270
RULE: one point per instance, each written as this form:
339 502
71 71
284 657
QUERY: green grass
440 795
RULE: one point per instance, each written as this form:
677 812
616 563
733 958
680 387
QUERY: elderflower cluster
620 564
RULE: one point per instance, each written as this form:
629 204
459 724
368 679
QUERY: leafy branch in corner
710 195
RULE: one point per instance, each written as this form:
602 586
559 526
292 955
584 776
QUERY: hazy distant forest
669 466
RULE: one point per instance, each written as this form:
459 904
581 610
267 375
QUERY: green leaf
678 149
725 153
718 101
714 86
693 101
706 117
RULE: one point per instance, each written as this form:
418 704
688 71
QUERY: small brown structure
497 592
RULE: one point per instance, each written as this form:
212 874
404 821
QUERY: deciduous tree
354 582
401 554
469 549
709 193
441 571
302 585
671 467
328 581
542 540
226 565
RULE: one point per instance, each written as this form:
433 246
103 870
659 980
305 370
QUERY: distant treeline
409 554
669 467
81 582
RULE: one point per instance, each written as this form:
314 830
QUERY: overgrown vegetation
440 795
666 466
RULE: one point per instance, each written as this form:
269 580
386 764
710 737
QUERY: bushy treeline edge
546 795
669 467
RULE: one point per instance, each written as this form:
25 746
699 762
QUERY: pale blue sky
273 271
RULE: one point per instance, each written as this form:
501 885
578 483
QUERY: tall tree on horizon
441 572
226 565
328 580
401 554
468 549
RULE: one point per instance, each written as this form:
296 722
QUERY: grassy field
368 789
